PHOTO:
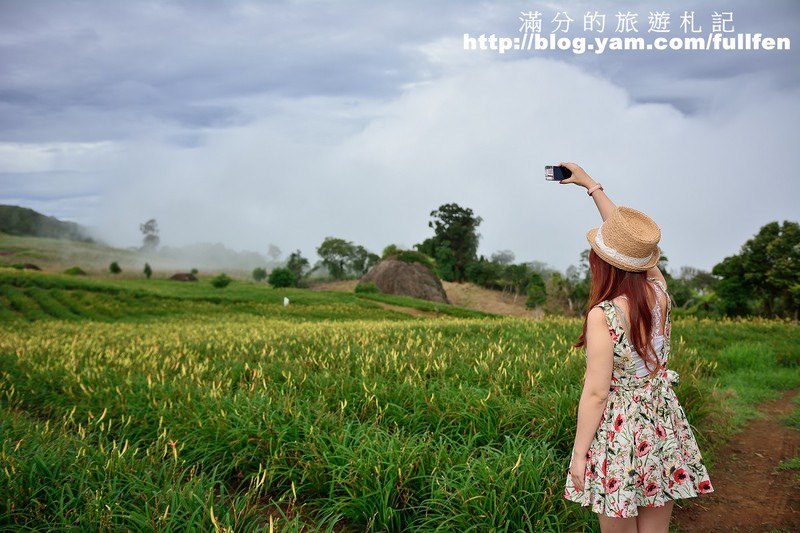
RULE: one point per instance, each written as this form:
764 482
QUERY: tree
335 254
484 273
537 293
343 258
455 228
766 272
259 274
297 264
282 277
114 268
689 287
663 261
445 262
150 231
558 295
503 257
681 292
703 282
733 292
578 289
273 252
362 260
516 278
147 270
583 265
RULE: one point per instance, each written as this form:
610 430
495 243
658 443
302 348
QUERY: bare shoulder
596 317
597 337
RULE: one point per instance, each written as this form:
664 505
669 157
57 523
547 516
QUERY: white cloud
478 136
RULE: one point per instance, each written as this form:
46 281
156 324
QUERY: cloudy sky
251 123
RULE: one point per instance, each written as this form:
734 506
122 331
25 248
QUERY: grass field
161 406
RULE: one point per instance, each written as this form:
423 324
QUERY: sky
258 123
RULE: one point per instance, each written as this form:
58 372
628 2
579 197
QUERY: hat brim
612 261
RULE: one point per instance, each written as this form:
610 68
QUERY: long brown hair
608 282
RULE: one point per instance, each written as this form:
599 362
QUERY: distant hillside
23 221
56 255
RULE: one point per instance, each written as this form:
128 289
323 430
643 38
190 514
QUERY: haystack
393 276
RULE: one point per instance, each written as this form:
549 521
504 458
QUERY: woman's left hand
579 176
578 471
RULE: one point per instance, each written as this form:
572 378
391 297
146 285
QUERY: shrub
114 268
282 277
389 250
413 256
368 287
221 281
259 274
147 270
75 271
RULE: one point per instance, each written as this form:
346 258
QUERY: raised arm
603 203
581 178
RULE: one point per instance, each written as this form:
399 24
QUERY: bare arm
599 366
603 203
581 178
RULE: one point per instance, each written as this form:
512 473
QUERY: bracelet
594 188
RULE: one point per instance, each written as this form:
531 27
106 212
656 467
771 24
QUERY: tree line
763 279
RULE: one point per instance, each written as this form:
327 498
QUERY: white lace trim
657 309
633 261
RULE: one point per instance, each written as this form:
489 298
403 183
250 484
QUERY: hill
23 221
58 254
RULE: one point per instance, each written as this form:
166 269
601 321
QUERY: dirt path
749 493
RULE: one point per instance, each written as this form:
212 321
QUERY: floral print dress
644 452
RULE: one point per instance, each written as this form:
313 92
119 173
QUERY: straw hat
628 239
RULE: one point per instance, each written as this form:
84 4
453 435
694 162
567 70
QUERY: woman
634 451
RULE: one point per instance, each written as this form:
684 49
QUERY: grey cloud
184 63
646 75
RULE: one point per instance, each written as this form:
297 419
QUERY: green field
164 406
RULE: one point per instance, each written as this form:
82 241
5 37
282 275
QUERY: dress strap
656 311
660 285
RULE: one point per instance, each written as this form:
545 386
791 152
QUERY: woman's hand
579 176
578 471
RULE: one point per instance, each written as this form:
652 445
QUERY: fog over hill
21 221
18 220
